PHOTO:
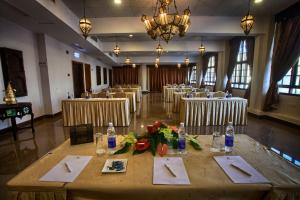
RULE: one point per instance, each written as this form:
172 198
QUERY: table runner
97 111
213 111
208 181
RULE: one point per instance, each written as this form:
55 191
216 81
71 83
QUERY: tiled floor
15 156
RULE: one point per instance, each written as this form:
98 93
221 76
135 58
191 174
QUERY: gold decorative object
202 49
159 49
117 50
247 22
127 61
10 97
165 24
85 24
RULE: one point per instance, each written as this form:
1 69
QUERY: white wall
58 63
15 37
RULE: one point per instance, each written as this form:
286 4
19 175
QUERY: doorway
78 78
87 74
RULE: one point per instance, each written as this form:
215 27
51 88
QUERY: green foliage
125 149
194 142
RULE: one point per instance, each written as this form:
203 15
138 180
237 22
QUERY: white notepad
236 175
67 169
163 175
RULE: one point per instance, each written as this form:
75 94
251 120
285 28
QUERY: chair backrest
101 95
219 94
127 90
120 95
201 94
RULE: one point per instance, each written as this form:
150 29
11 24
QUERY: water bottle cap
182 124
110 124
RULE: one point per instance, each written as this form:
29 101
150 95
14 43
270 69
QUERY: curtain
250 54
125 75
205 60
166 75
234 50
285 53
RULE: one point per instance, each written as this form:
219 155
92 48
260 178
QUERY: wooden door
78 78
87 73
110 77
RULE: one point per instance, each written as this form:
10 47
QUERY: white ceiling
135 8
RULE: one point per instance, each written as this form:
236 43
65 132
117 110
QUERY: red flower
151 129
142 144
157 124
162 149
174 128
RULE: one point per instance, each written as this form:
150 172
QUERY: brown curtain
205 60
234 50
285 53
165 75
125 75
250 54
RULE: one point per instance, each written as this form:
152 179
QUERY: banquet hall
153 99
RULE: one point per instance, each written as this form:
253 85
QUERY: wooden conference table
96 111
213 111
208 181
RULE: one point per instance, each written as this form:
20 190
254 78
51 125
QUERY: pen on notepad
67 167
170 170
240 169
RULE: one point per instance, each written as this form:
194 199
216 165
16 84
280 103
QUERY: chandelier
127 61
117 50
159 50
247 21
165 23
85 24
186 61
202 49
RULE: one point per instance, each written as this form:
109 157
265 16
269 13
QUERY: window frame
241 63
194 71
292 85
208 79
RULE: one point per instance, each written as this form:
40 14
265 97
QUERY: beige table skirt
208 181
177 98
214 111
96 111
137 90
169 93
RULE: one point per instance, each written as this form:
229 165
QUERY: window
241 74
210 76
193 78
290 83
98 75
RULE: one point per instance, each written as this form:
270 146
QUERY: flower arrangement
157 139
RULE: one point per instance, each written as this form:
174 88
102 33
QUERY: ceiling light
127 61
133 65
118 2
186 61
247 22
201 49
85 24
130 35
117 50
258 1
159 50
165 24
157 60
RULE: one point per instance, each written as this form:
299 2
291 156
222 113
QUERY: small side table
16 110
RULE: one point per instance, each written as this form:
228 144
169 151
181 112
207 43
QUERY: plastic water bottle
111 138
229 137
181 139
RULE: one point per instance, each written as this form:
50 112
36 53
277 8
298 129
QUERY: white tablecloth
214 111
96 111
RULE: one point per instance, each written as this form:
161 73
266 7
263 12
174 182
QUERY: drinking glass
217 142
99 144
